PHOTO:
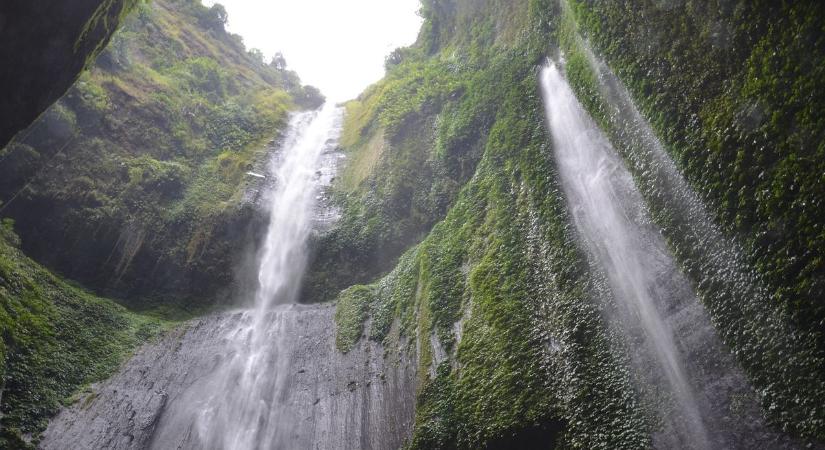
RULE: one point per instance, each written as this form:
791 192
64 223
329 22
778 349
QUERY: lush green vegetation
140 168
412 141
350 314
132 183
57 338
139 172
511 344
497 299
732 95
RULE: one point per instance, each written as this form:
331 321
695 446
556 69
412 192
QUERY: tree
311 97
215 17
396 57
218 12
278 61
257 55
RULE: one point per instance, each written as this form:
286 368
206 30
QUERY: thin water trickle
608 212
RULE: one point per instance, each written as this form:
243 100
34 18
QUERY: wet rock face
327 400
46 43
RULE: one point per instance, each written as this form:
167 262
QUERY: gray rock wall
360 400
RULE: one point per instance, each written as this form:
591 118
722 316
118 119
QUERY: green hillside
139 171
132 184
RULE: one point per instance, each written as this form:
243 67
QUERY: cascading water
240 406
267 377
291 207
718 261
700 396
607 211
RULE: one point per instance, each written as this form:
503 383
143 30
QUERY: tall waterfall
283 255
268 376
241 404
609 214
688 378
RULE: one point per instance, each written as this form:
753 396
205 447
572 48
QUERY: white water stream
608 212
241 404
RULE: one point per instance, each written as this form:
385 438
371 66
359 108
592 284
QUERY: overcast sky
337 45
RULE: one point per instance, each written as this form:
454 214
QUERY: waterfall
241 405
734 292
608 212
686 376
268 376
283 256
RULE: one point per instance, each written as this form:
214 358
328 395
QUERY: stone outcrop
46 44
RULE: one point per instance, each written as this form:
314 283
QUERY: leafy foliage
56 339
412 141
141 166
350 314
496 297
132 183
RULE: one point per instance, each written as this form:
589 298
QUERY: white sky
336 45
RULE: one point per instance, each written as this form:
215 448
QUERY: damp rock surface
363 399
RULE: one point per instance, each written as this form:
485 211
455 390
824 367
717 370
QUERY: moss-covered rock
730 93
412 141
351 310
497 298
56 338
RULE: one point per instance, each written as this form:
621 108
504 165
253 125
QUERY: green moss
497 297
56 339
413 140
486 271
93 94
395 295
723 91
350 313
106 18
